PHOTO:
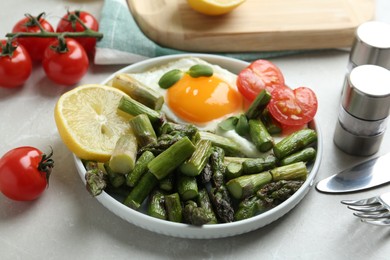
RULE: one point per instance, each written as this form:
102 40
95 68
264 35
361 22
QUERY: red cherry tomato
259 75
65 66
293 107
15 64
69 23
24 173
34 45
289 129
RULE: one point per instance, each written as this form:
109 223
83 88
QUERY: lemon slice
88 121
214 7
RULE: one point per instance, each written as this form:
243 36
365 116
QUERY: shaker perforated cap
372 44
366 92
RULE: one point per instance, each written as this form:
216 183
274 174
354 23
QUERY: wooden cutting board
256 25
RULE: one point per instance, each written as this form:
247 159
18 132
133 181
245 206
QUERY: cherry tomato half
293 107
259 75
15 65
34 45
24 173
68 66
69 23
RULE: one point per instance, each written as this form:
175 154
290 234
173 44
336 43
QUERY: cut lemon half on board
89 122
214 7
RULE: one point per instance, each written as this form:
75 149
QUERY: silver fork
374 210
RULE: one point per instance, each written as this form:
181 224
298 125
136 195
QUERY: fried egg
202 101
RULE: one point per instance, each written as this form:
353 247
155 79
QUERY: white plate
206 231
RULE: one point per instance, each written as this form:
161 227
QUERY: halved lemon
214 7
89 122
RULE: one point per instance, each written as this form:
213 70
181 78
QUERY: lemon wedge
214 7
88 121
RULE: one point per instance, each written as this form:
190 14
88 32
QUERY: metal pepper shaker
371 45
364 110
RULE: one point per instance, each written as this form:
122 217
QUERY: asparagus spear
260 136
230 147
163 143
156 205
256 165
294 142
219 195
233 170
247 208
167 184
240 160
256 108
217 166
134 108
139 193
273 126
174 207
206 173
187 186
140 168
96 179
174 129
306 155
222 203
114 178
138 91
247 185
269 196
294 171
205 203
195 164
279 191
143 130
124 155
195 215
170 133
171 158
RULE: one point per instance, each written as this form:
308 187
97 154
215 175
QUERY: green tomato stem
46 34
7 49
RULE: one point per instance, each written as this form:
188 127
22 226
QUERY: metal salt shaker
371 45
364 110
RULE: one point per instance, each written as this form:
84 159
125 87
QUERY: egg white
152 76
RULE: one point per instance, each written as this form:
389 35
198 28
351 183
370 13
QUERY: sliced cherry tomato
289 129
293 107
34 45
259 75
65 63
15 64
24 173
69 23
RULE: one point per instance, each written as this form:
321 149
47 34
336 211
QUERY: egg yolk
199 100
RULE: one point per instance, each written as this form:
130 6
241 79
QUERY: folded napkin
125 43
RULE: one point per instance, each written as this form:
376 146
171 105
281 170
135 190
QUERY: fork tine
381 222
373 215
373 208
362 202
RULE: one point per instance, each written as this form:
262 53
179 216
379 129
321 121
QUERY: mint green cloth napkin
125 43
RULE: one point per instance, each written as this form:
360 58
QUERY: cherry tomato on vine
15 64
69 23
259 75
24 173
293 107
34 45
65 62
